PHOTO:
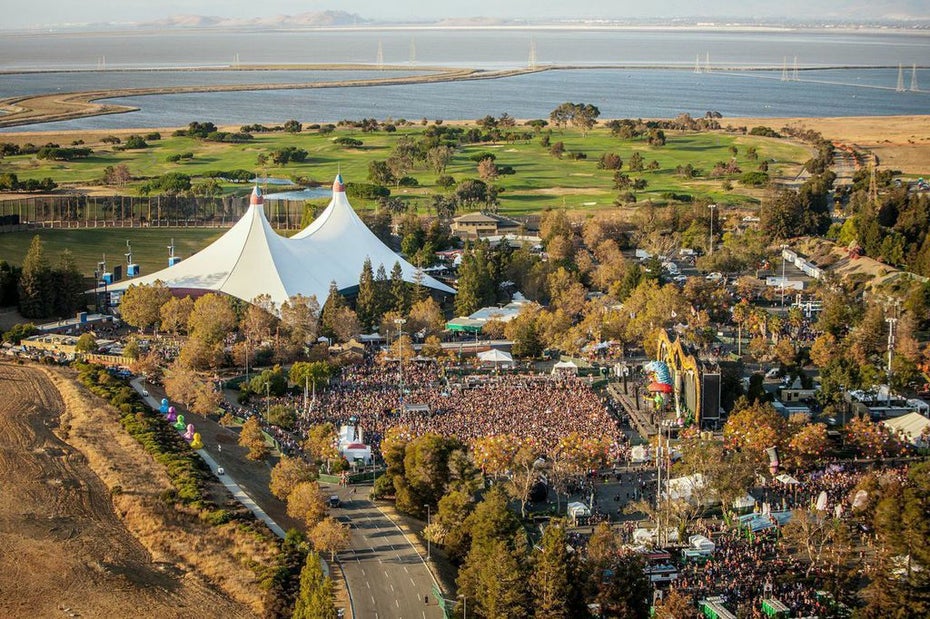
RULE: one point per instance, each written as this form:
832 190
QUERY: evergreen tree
36 297
69 285
331 310
383 301
469 297
9 284
366 302
316 599
399 295
551 573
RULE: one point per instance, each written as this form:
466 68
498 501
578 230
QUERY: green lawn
149 245
540 181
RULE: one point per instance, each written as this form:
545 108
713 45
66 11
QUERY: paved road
234 488
386 575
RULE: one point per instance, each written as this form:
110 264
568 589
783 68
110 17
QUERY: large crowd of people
540 407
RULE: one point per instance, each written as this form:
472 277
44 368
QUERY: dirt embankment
83 530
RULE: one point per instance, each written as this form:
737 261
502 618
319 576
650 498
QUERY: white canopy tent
913 427
252 259
565 366
495 356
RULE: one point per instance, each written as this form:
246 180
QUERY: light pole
464 605
711 207
400 357
783 248
428 544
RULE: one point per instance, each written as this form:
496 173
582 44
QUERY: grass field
149 245
540 180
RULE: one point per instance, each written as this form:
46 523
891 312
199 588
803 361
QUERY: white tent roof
911 425
343 241
495 356
252 259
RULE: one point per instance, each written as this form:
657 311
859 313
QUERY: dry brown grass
901 142
218 556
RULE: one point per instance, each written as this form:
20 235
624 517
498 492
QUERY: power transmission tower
707 63
380 58
914 87
900 87
784 69
532 60
697 64
413 51
794 76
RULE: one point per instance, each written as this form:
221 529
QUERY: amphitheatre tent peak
252 259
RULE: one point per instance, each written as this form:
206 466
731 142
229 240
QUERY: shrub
755 179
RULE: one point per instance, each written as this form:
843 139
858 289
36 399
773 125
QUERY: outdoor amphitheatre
679 387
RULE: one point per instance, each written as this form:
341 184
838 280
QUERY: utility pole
892 324
400 357
711 207
783 248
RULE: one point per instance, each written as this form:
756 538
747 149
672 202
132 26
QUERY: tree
366 301
299 318
316 599
809 444
117 175
68 286
815 534
449 524
310 374
289 472
181 383
426 317
487 170
380 173
211 319
439 157
86 343
624 589
551 580
206 399
305 502
140 306
524 332
754 427
282 416
523 474
579 115
175 314
400 297
252 438
330 536
320 443
676 605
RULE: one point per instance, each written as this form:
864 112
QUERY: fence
78 211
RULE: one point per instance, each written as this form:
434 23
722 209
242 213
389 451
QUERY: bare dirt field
69 545
900 142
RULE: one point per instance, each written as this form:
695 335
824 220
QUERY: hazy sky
43 12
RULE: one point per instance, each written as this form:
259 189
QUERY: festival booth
565 367
640 454
576 511
496 357
691 489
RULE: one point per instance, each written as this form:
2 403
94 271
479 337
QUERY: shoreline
37 109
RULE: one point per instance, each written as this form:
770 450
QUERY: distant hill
313 19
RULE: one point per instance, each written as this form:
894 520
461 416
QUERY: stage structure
252 259
695 384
